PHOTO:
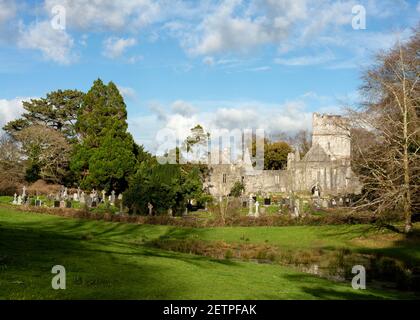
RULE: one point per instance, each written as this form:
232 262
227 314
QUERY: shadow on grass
327 293
28 254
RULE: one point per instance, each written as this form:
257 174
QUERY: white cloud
224 31
10 110
134 59
275 118
108 14
115 47
183 108
54 44
306 60
260 69
7 10
127 92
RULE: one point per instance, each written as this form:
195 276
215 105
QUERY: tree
275 153
237 189
275 156
57 111
302 141
388 165
106 155
165 186
196 145
47 151
12 166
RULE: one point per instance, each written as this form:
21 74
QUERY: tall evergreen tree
105 156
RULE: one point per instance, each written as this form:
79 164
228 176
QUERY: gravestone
340 202
76 197
257 212
347 202
333 202
19 200
296 209
38 203
82 198
244 203
62 204
150 207
325 203
103 196
170 213
88 201
112 197
250 204
120 198
15 200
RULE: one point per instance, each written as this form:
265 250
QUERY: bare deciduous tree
48 148
388 130
11 165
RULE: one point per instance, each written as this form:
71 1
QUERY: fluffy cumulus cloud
183 108
275 118
55 44
108 14
115 47
236 26
210 29
10 110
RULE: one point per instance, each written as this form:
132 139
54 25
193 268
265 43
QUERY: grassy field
105 260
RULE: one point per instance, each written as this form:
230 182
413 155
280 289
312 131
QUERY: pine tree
105 156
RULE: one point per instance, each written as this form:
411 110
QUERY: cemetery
77 190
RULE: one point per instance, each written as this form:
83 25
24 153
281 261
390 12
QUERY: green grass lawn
358 238
105 260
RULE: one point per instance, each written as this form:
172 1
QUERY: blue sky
225 63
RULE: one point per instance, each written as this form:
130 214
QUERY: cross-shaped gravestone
150 207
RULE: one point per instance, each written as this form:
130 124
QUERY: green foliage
275 157
237 189
57 111
165 186
32 173
107 153
275 154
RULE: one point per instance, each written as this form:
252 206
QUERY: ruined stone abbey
325 169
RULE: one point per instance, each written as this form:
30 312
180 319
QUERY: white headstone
150 207
257 212
82 197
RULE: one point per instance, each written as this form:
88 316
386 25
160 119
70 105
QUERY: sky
227 64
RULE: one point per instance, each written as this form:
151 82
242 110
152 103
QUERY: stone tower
332 134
